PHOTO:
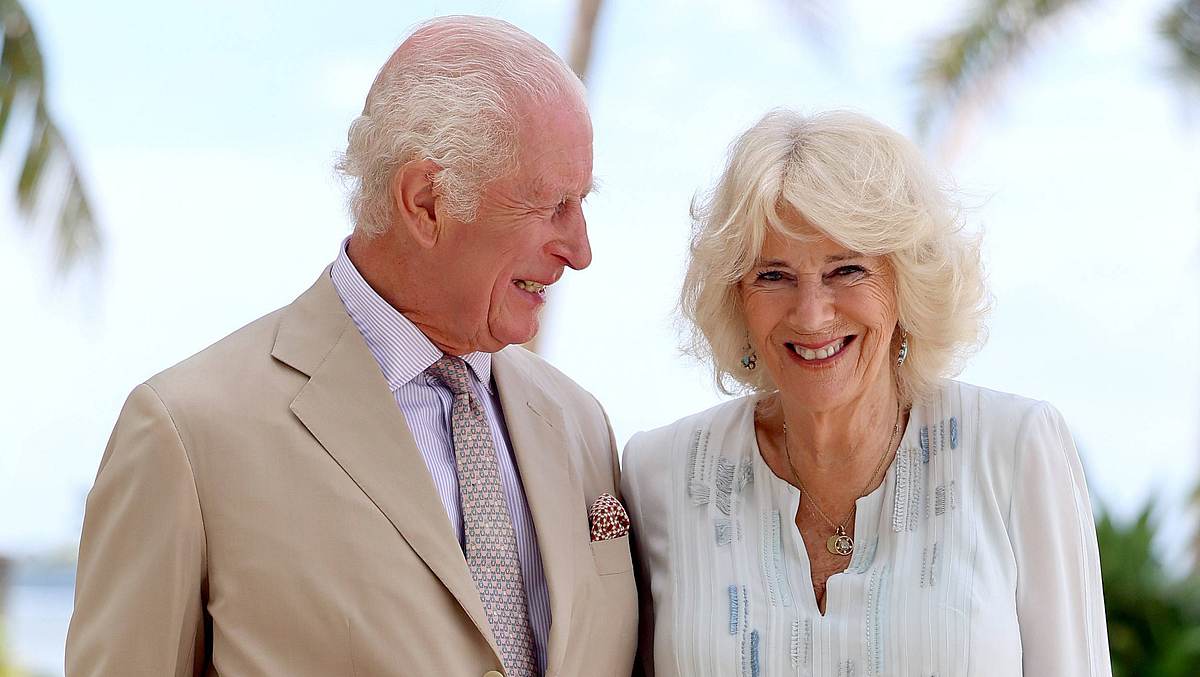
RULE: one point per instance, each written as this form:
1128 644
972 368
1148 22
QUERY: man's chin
520 336
529 340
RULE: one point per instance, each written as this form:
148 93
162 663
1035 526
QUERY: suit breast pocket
612 556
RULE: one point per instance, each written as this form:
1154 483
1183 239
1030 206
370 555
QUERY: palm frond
817 21
49 190
1180 27
583 35
962 70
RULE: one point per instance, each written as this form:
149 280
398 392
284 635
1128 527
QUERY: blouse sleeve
1060 603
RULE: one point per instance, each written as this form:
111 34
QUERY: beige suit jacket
262 509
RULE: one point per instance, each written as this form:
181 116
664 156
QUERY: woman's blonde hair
862 185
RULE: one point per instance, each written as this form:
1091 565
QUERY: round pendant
840 544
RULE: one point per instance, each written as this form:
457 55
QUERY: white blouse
976 556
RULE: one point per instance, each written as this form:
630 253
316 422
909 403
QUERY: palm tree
966 68
48 187
49 191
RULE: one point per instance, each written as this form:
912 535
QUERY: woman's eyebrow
767 263
844 256
832 258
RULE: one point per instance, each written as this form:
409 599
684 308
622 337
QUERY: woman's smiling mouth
825 352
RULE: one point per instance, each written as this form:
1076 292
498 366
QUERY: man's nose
572 246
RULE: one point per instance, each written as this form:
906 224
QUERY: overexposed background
206 133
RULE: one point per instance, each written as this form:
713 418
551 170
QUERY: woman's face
821 318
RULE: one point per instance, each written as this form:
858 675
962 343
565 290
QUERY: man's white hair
451 94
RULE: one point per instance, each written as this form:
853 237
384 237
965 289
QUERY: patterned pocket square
608 518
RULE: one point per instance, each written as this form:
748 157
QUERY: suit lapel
348 408
538 437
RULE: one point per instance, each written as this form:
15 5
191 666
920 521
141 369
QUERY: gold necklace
839 543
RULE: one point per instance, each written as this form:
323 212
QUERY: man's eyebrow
590 188
542 189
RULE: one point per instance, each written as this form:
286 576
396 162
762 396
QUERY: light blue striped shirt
404 354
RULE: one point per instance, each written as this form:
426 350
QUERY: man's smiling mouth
531 286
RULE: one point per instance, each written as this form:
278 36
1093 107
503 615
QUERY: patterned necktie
491 543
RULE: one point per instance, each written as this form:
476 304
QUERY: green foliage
1180 28
962 71
49 190
1153 616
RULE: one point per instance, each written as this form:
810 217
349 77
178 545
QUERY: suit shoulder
238 360
546 376
594 455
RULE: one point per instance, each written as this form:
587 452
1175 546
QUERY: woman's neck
834 452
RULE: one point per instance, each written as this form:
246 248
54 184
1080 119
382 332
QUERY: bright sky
207 132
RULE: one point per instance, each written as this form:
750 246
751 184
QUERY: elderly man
374 480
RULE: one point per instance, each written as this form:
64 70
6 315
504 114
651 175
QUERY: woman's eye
769 276
846 271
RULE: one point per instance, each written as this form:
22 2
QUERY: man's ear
415 201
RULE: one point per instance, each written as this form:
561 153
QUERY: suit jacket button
493 673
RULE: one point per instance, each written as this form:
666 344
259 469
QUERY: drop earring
903 354
749 357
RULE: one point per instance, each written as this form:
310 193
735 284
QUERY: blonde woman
856 513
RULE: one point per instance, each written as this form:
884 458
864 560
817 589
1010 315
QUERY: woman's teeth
820 353
533 287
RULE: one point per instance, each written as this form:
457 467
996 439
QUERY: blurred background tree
1153 615
48 189
967 69
1180 29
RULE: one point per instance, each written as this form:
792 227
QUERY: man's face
529 226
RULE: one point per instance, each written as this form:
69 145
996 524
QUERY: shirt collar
402 351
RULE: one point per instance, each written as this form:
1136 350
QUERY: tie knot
452 372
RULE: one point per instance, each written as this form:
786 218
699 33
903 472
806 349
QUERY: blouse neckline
868 513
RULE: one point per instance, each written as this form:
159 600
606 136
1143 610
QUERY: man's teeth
820 353
535 287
